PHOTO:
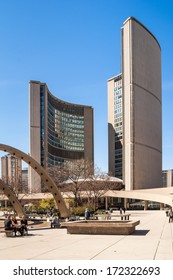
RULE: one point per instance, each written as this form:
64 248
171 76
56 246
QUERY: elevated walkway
160 195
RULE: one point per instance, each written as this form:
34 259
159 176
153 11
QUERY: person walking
87 214
170 215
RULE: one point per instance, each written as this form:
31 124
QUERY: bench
25 232
9 233
109 216
55 225
122 216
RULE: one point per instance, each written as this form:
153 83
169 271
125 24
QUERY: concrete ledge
102 227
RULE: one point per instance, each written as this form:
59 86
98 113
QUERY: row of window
66 146
55 160
55 122
119 105
118 124
118 129
118 137
71 116
64 126
118 152
67 142
118 115
118 80
60 118
74 138
118 120
118 97
59 113
118 110
118 101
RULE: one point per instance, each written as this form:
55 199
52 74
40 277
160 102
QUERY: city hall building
135 111
59 131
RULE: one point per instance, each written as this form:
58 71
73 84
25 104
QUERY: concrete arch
12 197
44 176
161 195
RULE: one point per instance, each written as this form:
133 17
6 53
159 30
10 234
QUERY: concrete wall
141 69
34 181
88 134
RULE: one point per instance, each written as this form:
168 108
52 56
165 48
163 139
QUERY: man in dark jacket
8 224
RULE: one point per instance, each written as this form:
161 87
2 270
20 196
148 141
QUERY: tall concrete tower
141 108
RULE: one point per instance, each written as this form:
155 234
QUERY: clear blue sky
74 46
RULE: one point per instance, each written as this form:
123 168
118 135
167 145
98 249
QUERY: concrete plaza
152 240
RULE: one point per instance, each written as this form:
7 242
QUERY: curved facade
59 131
142 107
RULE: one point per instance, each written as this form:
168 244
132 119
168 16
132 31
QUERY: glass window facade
64 130
60 131
118 125
164 178
167 178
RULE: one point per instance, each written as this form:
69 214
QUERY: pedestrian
8 224
16 226
24 223
55 222
167 212
170 215
87 214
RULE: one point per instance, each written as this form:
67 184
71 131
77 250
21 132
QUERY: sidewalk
152 240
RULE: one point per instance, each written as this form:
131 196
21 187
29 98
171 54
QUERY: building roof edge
114 77
134 19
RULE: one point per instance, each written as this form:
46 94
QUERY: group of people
169 213
12 224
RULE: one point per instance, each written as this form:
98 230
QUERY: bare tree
71 176
19 188
79 179
99 184
59 174
78 173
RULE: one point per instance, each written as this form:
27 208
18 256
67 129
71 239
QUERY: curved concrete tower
142 113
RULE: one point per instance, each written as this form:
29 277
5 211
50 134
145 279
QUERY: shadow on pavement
140 232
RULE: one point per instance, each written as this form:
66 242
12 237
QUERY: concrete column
125 202
145 204
169 178
161 206
106 203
